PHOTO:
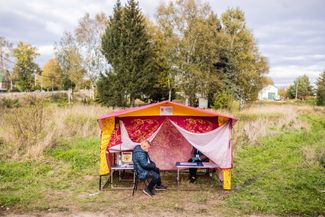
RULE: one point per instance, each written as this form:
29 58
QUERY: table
198 165
120 168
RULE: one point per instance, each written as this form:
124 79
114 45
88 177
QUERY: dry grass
68 176
259 121
25 132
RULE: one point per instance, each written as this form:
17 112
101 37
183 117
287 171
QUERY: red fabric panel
116 137
141 128
196 124
168 147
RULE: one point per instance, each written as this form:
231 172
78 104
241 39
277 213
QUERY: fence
69 94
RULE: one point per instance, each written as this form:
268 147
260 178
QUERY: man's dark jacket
142 162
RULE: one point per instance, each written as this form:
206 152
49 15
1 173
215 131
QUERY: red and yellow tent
173 129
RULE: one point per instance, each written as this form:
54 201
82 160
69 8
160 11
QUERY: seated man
197 156
145 168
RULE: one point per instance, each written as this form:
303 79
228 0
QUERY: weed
9 103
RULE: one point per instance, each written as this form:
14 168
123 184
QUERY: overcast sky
290 33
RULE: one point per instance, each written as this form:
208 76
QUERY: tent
173 129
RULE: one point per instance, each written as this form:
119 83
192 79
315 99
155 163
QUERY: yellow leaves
25 52
51 75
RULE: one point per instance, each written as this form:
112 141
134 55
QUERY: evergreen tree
127 48
108 92
320 91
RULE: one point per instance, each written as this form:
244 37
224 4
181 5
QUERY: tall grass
284 174
278 169
25 132
261 121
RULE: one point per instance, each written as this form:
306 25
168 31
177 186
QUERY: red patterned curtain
169 145
196 124
141 128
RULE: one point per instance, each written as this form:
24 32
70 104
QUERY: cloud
54 28
294 47
290 33
45 49
285 76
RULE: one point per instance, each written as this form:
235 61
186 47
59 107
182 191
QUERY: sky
290 33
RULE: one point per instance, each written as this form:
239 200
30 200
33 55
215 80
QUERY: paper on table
187 164
190 163
210 164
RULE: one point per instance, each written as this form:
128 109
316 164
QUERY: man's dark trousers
154 174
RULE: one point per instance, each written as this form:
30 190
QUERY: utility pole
34 79
170 90
52 83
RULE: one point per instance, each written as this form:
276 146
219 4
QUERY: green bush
58 98
222 100
9 103
234 106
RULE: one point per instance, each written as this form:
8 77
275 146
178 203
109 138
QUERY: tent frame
107 124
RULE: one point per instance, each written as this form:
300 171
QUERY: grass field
278 170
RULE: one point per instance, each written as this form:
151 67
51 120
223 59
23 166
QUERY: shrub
222 100
25 132
9 103
25 125
320 90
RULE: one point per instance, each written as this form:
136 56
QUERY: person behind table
197 156
146 168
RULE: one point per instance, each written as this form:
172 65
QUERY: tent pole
100 182
227 179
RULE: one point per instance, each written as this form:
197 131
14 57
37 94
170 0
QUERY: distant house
269 93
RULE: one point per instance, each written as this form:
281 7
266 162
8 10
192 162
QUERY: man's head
145 145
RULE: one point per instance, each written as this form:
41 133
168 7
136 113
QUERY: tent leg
100 183
227 179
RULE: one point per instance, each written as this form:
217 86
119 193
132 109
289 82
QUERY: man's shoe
147 192
160 188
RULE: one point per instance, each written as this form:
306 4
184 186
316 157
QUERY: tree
68 56
222 100
127 48
108 91
25 69
282 93
320 90
190 30
242 66
88 36
267 81
5 54
211 54
51 75
164 88
300 89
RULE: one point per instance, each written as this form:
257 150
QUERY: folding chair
137 181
